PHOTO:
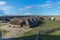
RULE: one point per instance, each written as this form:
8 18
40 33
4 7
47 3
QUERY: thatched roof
16 21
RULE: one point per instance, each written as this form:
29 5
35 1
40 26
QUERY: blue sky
29 7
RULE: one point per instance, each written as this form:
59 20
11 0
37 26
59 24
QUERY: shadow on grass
49 37
32 37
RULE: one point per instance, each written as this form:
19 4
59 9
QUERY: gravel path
13 32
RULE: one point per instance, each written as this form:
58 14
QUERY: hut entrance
22 23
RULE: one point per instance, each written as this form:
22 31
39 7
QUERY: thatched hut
20 22
30 21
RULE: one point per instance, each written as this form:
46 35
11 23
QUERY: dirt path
13 32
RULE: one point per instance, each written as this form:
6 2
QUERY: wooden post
37 37
0 35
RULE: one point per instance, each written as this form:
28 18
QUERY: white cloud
27 13
2 3
48 4
45 5
26 7
6 12
58 3
48 1
4 8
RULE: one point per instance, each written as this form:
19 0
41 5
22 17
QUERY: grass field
46 25
56 32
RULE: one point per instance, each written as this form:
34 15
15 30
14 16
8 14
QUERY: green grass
3 32
47 24
49 37
56 32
